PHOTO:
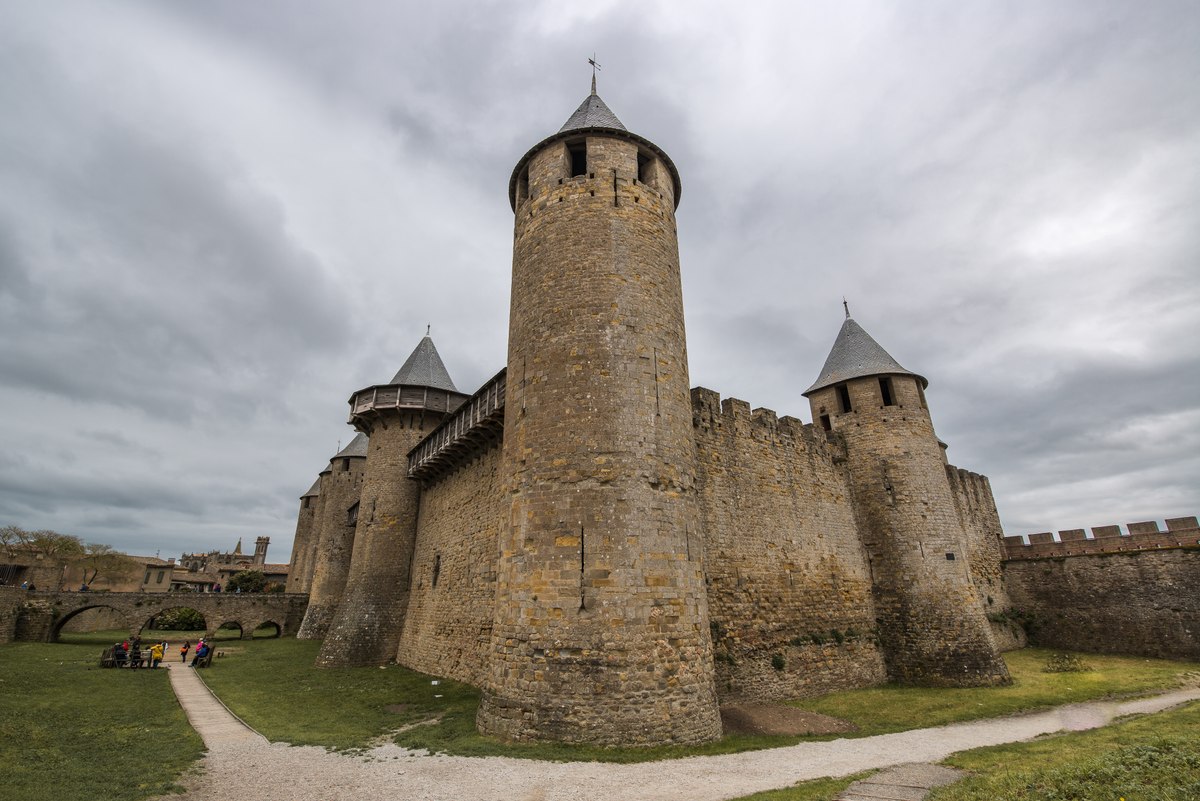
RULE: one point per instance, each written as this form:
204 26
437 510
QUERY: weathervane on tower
595 68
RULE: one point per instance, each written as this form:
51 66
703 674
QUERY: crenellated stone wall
447 629
1136 593
789 588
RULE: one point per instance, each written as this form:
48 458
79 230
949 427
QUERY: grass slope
274 687
881 710
1155 758
70 730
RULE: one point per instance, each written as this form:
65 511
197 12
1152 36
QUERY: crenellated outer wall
1112 593
789 588
447 630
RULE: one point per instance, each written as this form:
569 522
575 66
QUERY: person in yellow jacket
156 654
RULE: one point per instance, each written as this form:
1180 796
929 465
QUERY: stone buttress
340 486
396 416
601 630
932 625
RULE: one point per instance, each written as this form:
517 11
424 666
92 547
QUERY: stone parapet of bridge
1179 532
40 616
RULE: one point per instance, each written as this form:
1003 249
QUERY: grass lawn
273 686
880 710
71 730
1154 758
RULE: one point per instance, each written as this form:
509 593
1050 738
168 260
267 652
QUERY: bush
778 662
180 619
1065 663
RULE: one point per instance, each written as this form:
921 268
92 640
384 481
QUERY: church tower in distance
932 625
601 628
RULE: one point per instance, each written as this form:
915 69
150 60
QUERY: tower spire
595 67
846 306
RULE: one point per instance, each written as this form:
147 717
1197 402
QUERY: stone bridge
40 616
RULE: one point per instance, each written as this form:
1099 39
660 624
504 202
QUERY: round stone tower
932 627
366 629
340 486
601 626
300 565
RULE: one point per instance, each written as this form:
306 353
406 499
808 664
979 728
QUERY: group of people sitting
129 653
199 658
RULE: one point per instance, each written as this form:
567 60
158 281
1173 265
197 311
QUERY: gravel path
242 766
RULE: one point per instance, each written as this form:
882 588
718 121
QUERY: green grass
881 710
826 789
273 686
71 730
1154 758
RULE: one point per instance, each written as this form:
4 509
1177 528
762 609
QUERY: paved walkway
242 766
215 724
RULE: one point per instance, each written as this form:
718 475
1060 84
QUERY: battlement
1181 532
710 414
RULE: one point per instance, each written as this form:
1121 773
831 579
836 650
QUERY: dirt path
242 766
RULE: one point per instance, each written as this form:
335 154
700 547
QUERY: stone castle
608 553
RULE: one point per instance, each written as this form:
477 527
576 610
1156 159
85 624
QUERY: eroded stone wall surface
340 489
370 616
1134 602
448 626
303 546
932 625
789 588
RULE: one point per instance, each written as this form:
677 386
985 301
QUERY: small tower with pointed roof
601 626
396 416
932 627
341 482
304 544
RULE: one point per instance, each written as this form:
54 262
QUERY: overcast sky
219 219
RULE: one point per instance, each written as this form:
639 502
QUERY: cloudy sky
219 219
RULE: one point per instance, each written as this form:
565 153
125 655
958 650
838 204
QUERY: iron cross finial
428 326
846 306
595 68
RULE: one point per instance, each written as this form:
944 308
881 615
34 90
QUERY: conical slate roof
314 490
855 355
424 368
592 113
357 447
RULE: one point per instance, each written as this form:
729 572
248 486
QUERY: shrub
180 619
778 662
1065 663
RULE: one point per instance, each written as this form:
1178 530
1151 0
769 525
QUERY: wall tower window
843 394
523 185
578 153
437 568
825 423
346 464
643 167
885 391
352 515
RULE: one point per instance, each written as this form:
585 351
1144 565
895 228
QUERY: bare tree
52 544
10 538
99 559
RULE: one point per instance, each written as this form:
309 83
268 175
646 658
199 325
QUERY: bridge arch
62 620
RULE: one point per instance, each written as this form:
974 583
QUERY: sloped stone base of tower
591 707
316 621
